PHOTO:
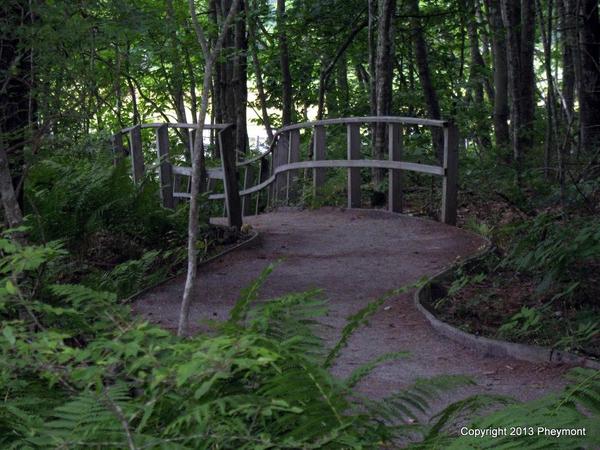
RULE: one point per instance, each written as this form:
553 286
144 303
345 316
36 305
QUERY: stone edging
488 346
252 240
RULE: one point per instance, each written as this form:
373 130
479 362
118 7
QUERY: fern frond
355 321
364 370
569 410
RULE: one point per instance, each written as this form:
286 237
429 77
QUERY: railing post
292 157
263 174
450 182
318 154
165 170
354 181
137 156
247 199
116 141
280 157
230 181
395 151
192 137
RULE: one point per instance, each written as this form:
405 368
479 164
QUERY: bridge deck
355 256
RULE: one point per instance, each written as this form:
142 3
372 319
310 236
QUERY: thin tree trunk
284 62
568 65
198 170
477 74
132 94
477 66
262 98
589 83
499 54
519 21
343 88
10 204
240 79
429 92
551 124
325 74
372 45
383 79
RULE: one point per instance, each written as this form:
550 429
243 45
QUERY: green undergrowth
77 370
541 289
118 236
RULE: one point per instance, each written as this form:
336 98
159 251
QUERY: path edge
488 346
253 239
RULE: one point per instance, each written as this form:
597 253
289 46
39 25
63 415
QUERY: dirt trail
356 256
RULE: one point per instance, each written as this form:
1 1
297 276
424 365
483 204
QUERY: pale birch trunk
197 159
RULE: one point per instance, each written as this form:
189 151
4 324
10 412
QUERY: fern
362 318
99 419
576 408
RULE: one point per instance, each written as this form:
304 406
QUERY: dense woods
519 78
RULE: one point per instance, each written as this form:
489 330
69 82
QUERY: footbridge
296 160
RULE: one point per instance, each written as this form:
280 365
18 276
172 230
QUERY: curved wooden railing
278 168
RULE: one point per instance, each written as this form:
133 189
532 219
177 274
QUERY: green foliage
526 322
576 408
103 379
554 249
81 199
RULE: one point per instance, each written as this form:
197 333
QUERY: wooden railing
279 168
170 188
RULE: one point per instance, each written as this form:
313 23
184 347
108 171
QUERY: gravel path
355 256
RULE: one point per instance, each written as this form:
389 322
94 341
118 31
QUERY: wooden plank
293 175
354 181
137 156
246 199
263 175
366 120
280 157
318 155
165 170
215 173
269 160
191 139
207 126
230 182
118 150
396 149
450 181
178 186
344 163
211 183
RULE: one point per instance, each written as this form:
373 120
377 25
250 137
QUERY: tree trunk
198 170
284 62
422 59
12 211
477 75
326 72
372 38
519 22
240 79
383 78
499 54
589 83
343 88
372 46
568 64
262 98
477 66
551 122
18 108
